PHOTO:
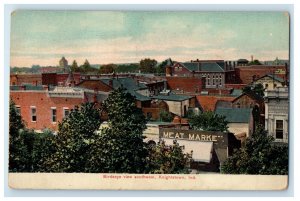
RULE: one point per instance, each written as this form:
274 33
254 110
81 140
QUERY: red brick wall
20 79
235 86
245 74
43 104
187 84
154 112
54 78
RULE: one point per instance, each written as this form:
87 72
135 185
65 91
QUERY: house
208 103
248 74
269 81
240 120
177 104
212 73
277 113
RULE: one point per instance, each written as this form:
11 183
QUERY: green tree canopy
120 148
74 67
254 62
109 68
260 155
27 149
165 116
148 65
208 121
168 159
75 135
257 89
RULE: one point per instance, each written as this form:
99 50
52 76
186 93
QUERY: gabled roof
252 95
278 79
95 85
204 66
235 115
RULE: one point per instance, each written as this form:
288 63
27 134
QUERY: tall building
277 113
63 63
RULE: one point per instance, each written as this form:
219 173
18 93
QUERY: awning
202 151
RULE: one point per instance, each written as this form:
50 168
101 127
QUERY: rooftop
126 82
204 66
208 103
235 115
172 97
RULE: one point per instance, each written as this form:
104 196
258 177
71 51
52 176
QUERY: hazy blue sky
43 37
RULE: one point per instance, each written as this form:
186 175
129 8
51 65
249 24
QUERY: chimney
251 58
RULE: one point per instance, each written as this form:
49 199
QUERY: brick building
25 79
248 74
59 79
212 73
41 108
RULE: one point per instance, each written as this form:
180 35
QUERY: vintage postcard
149 100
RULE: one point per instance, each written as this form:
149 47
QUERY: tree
254 62
74 67
208 121
124 68
17 149
165 116
257 89
161 69
148 65
86 67
260 155
120 148
106 69
75 135
168 159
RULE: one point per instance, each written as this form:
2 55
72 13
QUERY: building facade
277 113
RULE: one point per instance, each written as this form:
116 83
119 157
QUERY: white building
277 113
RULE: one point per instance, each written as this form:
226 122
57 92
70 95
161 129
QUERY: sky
43 37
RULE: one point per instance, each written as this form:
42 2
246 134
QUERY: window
149 115
18 109
275 85
279 129
66 111
53 115
33 114
266 86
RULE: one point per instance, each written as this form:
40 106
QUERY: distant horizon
92 64
103 37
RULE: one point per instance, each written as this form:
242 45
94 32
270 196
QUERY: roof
126 82
172 97
95 85
202 151
208 103
272 77
27 87
250 94
204 66
139 96
223 104
236 92
235 115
